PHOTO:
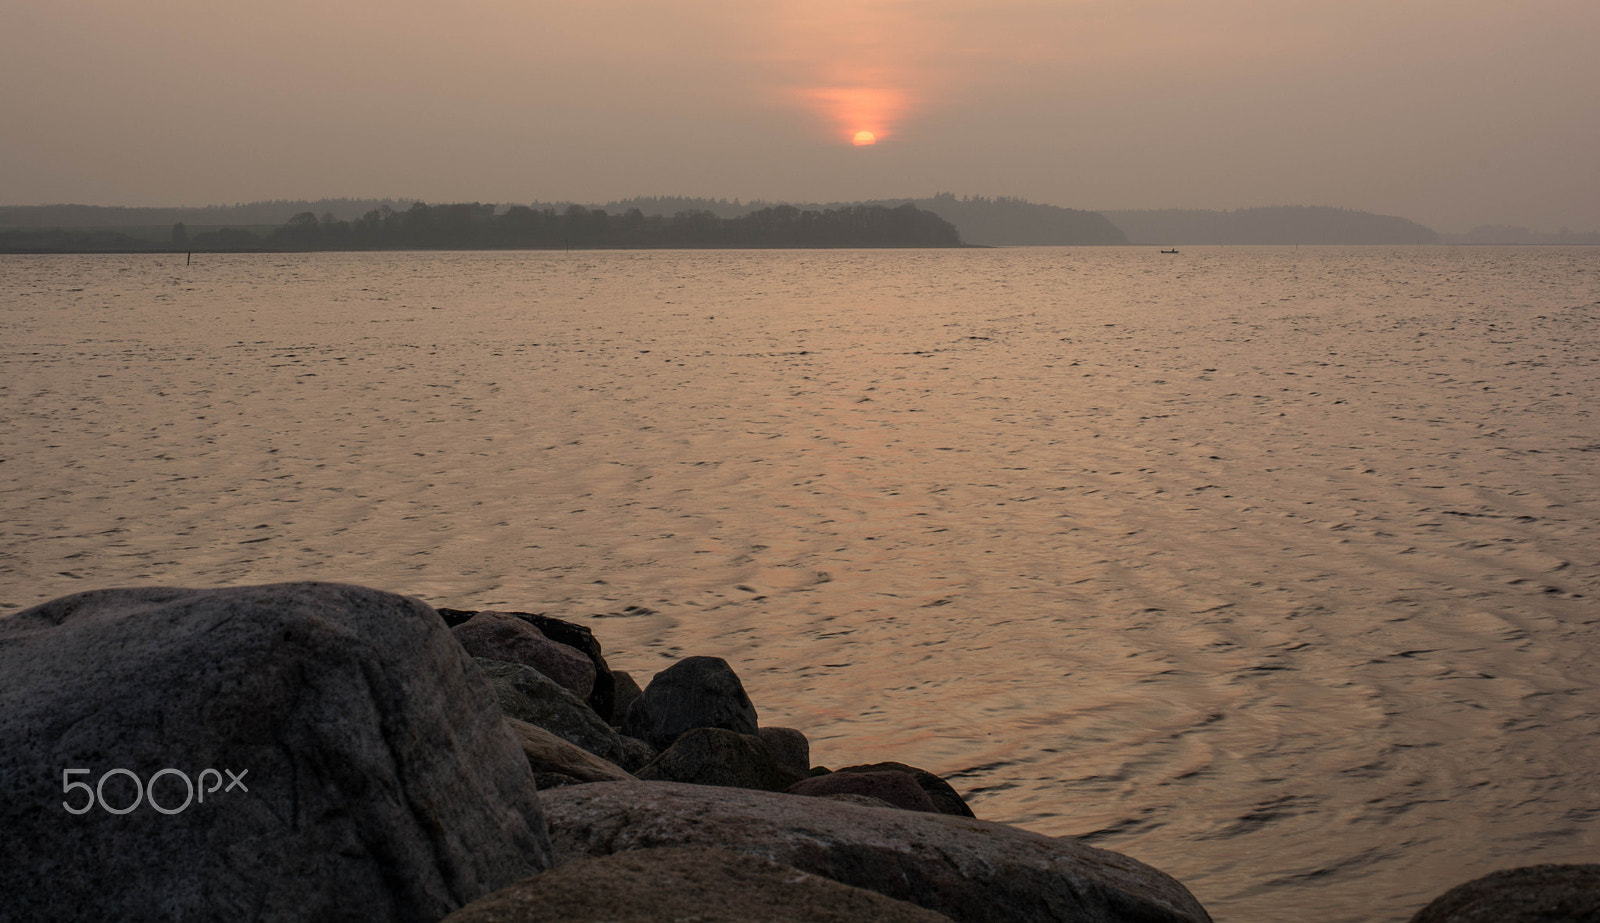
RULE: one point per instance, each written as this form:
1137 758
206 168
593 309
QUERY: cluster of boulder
579 721
398 762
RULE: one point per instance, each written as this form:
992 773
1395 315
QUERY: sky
1454 113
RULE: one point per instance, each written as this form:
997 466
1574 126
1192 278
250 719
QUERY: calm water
1277 569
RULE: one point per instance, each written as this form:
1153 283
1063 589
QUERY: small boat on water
1173 250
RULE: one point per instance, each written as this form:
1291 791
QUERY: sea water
1275 568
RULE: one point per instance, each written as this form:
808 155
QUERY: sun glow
851 107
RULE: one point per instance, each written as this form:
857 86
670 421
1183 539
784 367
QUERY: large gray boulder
528 695
1531 894
695 692
966 869
287 752
702 884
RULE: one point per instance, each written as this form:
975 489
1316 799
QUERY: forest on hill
475 226
661 221
982 221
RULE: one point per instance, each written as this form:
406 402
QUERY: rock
695 692
548 780
548 753
790 748
367 773
1531 894
895 788
703 884
968 870
627 692
508 639
603 698
861 799
945 798
713 756
528 695
636 753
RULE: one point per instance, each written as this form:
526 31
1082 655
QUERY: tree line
482 227
474 226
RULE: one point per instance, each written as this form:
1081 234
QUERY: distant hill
475 226
1519 236
1010 222
252 213
1284 224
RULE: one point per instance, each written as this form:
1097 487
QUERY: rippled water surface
1277 569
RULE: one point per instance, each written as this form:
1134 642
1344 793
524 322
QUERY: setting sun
850 107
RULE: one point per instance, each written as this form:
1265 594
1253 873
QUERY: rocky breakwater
674 800
327 752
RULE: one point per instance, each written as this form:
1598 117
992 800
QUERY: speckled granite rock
378 779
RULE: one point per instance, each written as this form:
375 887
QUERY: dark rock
860 799
1531 894
636 753
713 756
548 753
945 798
548 780
528 695
627 692
376 777
603 698
895 788
968 870
790 748
703 884
509 639
695 692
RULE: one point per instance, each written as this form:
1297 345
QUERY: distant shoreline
153 251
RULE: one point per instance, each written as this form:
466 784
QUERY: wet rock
945 798
713 756
895 788
375 777
528 695
695 692
790 748
509 639
968 870
687 883
1531 894
548 753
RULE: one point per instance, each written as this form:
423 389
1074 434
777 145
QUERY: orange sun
864 138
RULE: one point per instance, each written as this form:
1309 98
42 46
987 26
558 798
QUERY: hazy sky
1451 112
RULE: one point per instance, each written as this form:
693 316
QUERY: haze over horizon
1452 114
